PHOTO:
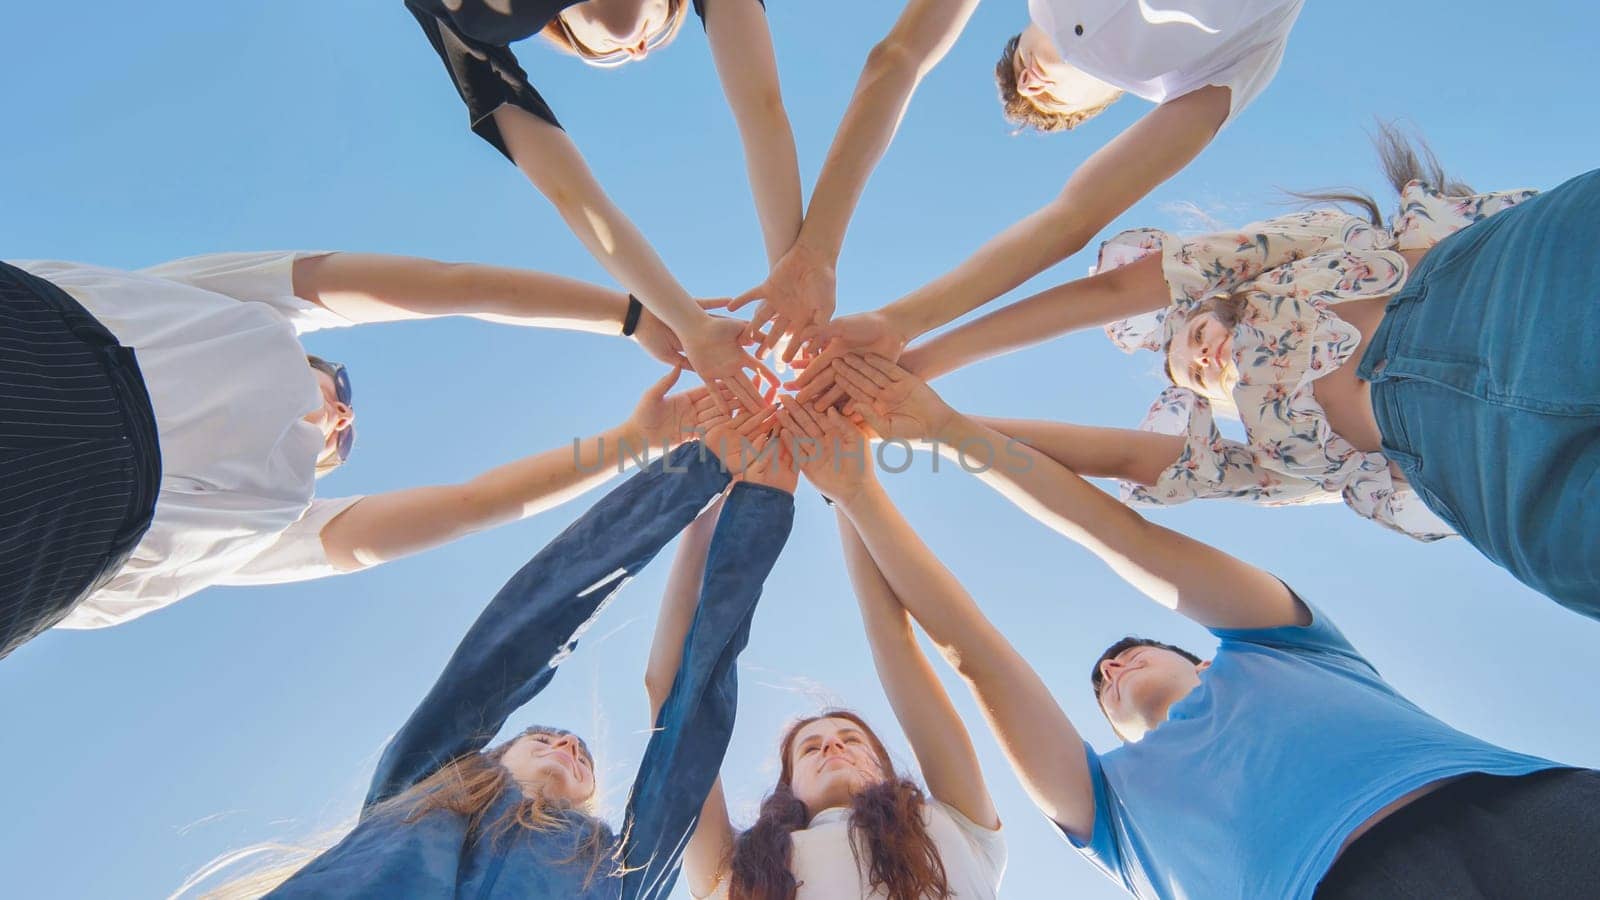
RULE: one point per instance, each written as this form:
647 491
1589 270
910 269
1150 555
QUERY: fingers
780 327
797 342
754 364
765 313
862 368
716 303
886 367
875 421
808 422
814 369
858 384
739 302
820 384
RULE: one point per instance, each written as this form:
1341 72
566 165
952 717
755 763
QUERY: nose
639 50
343 416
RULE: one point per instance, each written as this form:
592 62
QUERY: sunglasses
345 438
616 57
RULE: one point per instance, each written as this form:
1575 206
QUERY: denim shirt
510 654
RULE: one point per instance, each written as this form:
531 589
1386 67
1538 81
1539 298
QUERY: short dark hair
1098 681
1024 113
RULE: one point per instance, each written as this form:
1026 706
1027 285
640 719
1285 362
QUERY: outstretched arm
384 527
552 162
694 656
510 653
741 46
1114 178
801 286
1101 298
1207 585
938 737
705 857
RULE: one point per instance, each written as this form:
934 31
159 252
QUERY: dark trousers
1533 837
80 465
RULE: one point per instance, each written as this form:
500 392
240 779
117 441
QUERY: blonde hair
1022 112
556 32
466 786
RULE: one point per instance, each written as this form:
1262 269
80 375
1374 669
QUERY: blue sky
138 133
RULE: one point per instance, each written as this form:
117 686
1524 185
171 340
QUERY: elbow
1067 226
657 685
892 58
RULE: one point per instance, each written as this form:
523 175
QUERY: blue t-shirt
1258 776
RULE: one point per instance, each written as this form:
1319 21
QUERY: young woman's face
557 767
831 760
1200 356
332 417
1141 684
1050 82
606 27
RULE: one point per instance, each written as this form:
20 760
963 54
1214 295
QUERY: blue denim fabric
1487 393
511 653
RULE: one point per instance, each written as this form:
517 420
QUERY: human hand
739 438
797 297
774 468
717 355
667 420
892 402
831 450
872 332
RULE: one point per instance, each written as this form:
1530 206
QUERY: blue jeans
1487 393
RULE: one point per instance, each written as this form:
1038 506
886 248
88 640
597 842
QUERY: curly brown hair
1023 112
886 817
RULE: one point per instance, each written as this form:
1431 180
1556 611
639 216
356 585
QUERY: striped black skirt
80 464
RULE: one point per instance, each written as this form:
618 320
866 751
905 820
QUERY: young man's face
1141 684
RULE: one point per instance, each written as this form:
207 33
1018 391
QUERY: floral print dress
1292 272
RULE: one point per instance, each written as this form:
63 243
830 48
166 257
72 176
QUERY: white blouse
217 340
1162 49
826 868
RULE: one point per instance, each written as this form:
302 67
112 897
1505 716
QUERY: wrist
817 248
905 319
860 496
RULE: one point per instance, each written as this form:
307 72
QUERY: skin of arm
1209 586
548 157
799 293
1114 178
741 47
384 527
1119 293
1037 737
938 737
705 858
1123 453
371 287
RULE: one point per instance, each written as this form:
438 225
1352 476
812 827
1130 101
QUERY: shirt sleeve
696 721
988 845
1320 638
264 277
1101 848
298 553
1224 262
1211 466
534 622
486 75
1427 217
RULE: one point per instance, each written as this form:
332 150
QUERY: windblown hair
677 13
466 786
1023 112
1404 160
885 817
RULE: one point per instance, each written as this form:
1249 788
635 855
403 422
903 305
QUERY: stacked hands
850 391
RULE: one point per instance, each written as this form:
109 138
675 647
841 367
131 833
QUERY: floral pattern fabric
1292 272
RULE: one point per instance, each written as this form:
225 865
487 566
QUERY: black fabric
1481 838
80 463
473 42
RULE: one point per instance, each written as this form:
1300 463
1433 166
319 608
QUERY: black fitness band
631 320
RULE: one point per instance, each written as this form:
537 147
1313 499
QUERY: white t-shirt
825 866
1163 49
217 340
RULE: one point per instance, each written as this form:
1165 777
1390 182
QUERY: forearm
1042 239
384 527
741 47
1085 303
549 159
678 604
1094 452
370 287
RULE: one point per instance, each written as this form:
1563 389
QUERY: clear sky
137 133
